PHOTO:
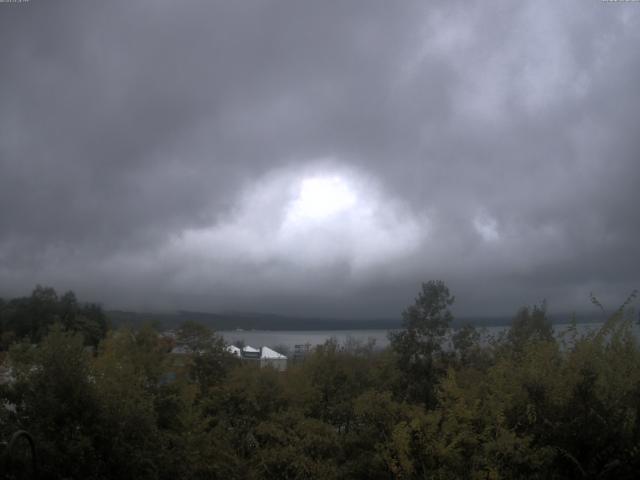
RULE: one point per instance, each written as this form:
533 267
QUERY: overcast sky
320 158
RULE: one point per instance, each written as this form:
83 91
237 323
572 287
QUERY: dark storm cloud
155 154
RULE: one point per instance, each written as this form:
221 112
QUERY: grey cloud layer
499 140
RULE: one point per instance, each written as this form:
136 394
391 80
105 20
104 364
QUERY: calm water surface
290 338
287 339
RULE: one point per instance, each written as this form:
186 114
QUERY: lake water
289 338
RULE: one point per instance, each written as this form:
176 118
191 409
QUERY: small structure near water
264 357
273 359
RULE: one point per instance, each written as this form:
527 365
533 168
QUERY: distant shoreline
272 322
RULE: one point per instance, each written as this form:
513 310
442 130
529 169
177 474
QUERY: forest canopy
439 402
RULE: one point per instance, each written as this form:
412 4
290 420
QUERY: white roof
233 350
271 354
250 349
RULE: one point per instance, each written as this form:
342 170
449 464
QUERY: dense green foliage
32 317
438 403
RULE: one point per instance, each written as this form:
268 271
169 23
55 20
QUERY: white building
264 357
271 358
250 353
233 350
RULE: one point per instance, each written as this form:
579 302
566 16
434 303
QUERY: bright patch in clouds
322 197
292 226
